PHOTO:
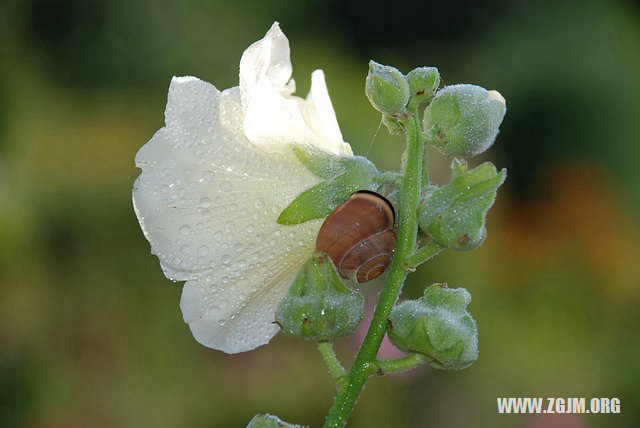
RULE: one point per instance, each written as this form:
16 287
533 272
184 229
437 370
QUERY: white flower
213 183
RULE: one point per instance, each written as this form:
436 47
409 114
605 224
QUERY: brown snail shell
358 236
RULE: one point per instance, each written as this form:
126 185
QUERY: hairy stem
407 229
336 370
430 250
400 365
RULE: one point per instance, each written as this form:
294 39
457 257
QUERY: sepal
318 306
342 176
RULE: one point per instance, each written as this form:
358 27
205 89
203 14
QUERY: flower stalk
407 230
334 366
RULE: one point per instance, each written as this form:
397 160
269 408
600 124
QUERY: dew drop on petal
203 250
185 230
205 202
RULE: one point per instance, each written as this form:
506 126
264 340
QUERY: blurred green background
90 330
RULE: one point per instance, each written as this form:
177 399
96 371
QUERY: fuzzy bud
423 83
387 88
318 305
463 120
454 215
438 326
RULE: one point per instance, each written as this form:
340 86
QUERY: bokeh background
90 330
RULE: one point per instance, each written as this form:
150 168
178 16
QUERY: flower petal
267 60
208 202
321 118
273 117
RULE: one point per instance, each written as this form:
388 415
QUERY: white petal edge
274 118
207 201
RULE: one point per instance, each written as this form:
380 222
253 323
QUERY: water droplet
222 322
205 202
185 249
218 236
226 186
259 203
226 258
185 230
203 250
207 175
238 247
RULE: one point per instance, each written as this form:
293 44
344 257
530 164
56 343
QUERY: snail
358 236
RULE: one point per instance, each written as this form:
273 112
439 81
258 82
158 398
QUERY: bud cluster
461 120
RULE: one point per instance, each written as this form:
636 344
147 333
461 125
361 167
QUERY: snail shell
358 236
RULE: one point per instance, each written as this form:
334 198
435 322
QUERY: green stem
425 253
407 229
336 370
400 365
425 171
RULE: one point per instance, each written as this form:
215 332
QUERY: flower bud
454 215
387 88
463 120
270 421
423 82
438 326
318 305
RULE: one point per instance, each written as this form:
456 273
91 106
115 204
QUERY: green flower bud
454 215
387 88
438 326
423 82
270 421
463 120
318 305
